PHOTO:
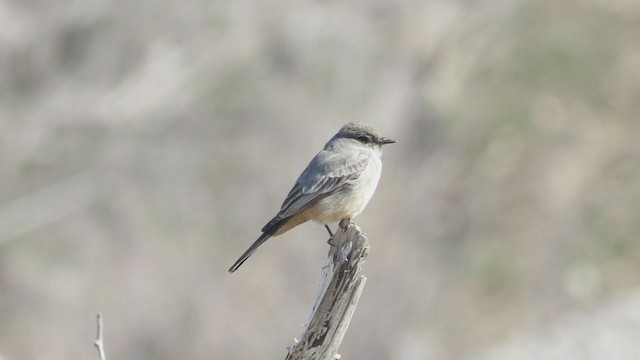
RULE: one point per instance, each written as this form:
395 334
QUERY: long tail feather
264 237
269 230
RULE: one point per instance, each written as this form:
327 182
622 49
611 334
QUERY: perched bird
335 187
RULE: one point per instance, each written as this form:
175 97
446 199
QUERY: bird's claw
330 234
344 224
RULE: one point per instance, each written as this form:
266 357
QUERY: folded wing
327 173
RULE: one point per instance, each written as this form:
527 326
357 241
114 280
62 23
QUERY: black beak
384 140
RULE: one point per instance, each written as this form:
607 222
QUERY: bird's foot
328 230
329 241
344 223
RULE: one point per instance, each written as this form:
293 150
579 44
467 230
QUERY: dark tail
268 230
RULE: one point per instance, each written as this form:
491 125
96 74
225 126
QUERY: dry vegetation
144 144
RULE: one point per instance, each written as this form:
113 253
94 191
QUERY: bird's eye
363 139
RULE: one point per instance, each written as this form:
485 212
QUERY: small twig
98 342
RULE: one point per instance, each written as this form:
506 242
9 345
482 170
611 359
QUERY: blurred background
144 144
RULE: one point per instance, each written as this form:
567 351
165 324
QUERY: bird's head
364 134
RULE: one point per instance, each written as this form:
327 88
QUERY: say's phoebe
335 186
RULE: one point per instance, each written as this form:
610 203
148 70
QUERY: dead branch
337 298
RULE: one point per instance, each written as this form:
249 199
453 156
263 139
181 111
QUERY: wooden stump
337 298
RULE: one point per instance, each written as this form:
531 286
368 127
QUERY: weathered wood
337 298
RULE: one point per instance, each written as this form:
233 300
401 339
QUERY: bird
335 186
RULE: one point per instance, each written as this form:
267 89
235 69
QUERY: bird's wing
325 174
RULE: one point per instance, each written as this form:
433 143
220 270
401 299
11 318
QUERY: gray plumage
336 185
